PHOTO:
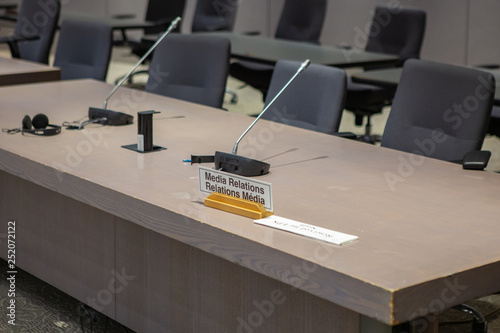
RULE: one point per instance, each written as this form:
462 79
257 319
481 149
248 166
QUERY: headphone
39 125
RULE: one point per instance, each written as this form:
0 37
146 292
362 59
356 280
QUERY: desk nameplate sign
211 180
304 229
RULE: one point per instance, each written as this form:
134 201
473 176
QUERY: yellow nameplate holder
238 206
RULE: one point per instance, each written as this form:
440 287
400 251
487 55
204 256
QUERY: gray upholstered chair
160 13
299 21
211 15
397 31
314 100
34 31
494 127
190 67
83 50
439 110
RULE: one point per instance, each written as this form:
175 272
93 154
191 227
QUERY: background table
270 50
115 23
128 233
17 71
7 5
390 78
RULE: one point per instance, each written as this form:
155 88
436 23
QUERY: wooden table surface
428 230
17 71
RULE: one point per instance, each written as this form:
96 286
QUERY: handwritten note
307 230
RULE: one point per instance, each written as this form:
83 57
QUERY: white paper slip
304 229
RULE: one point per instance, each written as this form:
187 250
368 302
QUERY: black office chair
212 15
314 100
299 21
440 111
191 67
398 32
34 30
84 50
161 13
494 127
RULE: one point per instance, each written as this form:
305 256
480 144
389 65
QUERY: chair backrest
163 12
314 100
190 67
398 31
302 20
37 18
211 15
83 50
440 111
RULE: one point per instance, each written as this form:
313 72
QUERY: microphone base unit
113 118
240 165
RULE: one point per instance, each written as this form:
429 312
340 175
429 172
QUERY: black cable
68 125
86 310
11 131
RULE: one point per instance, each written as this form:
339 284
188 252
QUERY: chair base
234 96
368 137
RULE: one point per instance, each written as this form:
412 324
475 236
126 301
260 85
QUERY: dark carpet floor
41 308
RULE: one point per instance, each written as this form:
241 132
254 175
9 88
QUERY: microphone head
304 65
176 21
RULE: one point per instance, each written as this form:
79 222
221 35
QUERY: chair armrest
251 33
13 41
124 16
216 27
344 46
488 66
476 160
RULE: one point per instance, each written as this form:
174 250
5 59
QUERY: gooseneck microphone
118 118
244 166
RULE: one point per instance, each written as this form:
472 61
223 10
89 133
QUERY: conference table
117 23
390 77
128 234
18 71
9 5
123 23
270 50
